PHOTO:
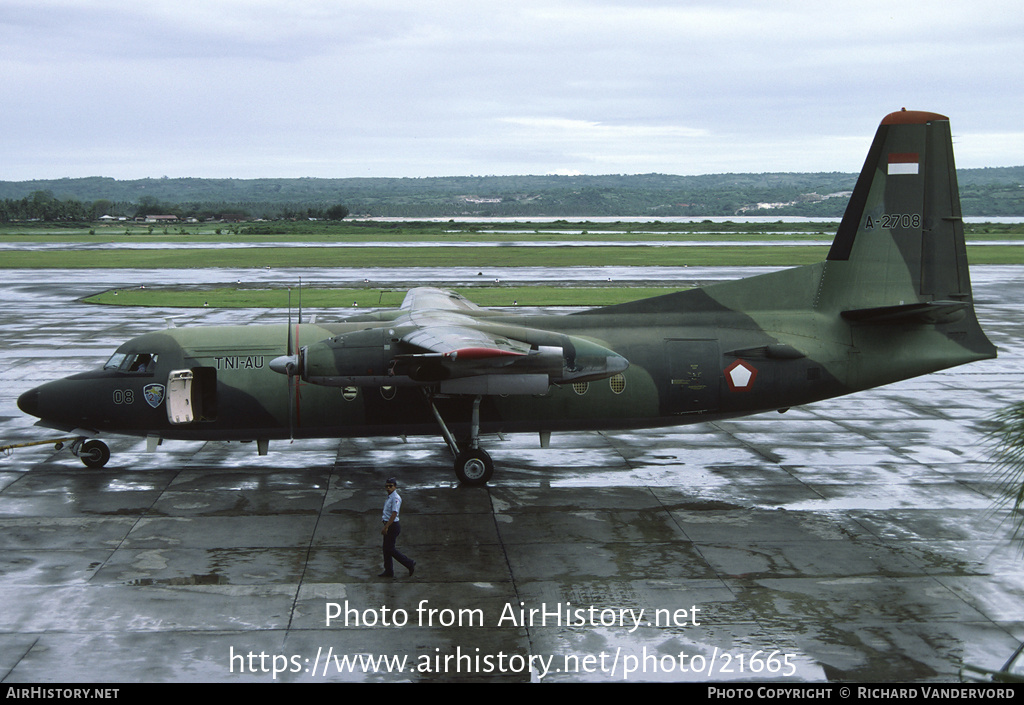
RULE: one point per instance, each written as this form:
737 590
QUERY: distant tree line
983 192
43 206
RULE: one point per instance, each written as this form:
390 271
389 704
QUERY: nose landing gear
92 453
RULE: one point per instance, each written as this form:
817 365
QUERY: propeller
290 364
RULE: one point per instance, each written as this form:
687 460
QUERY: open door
180 409
192 395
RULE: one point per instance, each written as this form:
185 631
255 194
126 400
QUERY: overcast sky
275 88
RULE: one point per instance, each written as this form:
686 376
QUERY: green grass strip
476 257
482 258
314 298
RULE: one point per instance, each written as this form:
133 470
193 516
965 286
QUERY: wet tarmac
849 540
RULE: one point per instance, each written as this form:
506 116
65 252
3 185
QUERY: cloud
400 88
590 131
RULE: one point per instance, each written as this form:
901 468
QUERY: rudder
899 256
901 240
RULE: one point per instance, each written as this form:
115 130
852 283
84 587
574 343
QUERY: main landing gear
473 466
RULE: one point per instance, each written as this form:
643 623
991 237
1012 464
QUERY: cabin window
132 363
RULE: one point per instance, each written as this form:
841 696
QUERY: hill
984 192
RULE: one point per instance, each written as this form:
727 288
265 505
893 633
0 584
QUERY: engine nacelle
377 357
360 358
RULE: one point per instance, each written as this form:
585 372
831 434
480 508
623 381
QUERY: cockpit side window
132 363
115 361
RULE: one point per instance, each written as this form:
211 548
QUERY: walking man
390 531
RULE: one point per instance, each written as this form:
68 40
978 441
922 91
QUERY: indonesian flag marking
903 162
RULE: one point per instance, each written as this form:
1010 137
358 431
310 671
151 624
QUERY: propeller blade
288 334
291 409
288 366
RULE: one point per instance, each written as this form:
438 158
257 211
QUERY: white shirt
392 505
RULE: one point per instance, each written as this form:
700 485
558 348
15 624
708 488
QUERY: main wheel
474 467
94 454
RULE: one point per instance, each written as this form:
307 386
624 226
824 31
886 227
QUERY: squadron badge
154 394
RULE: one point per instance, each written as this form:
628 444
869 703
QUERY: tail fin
901 241
899 256
898 259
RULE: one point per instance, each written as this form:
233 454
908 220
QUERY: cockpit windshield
135 363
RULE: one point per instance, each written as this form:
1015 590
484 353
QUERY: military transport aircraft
891 301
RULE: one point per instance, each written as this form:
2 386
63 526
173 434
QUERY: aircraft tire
94 454
474 467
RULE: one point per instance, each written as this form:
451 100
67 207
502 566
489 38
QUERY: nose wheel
92 453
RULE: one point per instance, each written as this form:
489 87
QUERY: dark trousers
391 552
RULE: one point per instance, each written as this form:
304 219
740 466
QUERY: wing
425 298
441 338
440 321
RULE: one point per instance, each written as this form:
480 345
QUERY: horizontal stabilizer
928 312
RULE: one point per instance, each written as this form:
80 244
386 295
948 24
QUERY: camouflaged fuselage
893 300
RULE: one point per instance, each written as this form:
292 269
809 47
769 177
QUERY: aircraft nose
29 402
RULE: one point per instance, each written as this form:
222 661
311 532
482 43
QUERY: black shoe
412 568
386 575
